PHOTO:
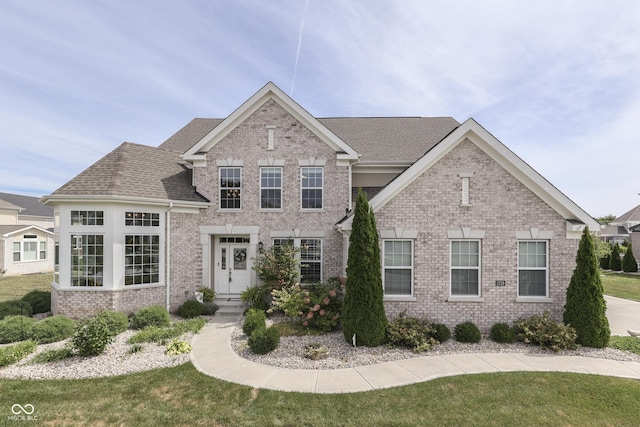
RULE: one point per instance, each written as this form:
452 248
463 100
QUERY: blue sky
557 82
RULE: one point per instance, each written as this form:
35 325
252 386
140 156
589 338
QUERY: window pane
30 251
311 260
397 281
16 251
532 254
86 260
533 283
464 282
270 188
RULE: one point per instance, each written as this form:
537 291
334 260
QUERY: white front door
232 268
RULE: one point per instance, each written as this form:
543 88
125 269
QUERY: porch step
230 309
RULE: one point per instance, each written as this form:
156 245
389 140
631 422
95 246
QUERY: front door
232 267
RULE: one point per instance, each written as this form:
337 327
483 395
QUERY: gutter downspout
168 251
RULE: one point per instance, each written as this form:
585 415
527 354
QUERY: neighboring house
635 242
26 236
468 230
613 234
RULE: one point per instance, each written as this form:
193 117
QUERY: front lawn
15 287
621 285
183 396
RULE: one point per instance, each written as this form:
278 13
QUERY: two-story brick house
468 230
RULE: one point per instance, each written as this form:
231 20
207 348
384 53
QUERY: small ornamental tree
363 314
585 307
629 264
615 264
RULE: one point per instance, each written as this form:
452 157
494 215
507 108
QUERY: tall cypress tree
363 312
615 264
585 307
629 264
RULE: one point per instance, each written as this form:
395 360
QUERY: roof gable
632 215
196 155
12 230
472 131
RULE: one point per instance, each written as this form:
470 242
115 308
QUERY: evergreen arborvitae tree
615 264
629 264
585 307
362 308
605 261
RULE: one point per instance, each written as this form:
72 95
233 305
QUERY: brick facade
500 205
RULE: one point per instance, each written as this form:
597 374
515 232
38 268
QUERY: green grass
182 396
15 287
621 285
631 344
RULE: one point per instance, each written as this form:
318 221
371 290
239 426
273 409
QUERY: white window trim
470 297
534 298
21 244
399 297
271 188
312 188
220 208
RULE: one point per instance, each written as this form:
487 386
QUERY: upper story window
465 268
311 187
270 188
142 219
532 269
230 188
397 267
87 217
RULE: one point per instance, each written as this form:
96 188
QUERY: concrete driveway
623 314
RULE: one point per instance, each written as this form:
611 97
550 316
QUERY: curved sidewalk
212 355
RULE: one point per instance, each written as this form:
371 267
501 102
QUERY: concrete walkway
623 315
212 355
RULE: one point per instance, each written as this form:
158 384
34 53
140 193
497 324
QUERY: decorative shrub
161 335
93 336
209 308
543 331
53 329
155 315
605 262
501 332
56 355
441 332
15 328
278 266
615 263
116 321
629 263
254 319
289 300
363 314
264 340
315 351
208 294
585 307
257 296
13 353
15 308
412 332
40 301
190 309
467 332
318 306
177 347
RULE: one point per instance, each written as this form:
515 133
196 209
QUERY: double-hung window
311 187
465 268
532 269
230 188
310 252
398 267
270 188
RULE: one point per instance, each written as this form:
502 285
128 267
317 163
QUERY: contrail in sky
295 67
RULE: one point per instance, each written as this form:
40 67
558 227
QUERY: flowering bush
278 266
317 306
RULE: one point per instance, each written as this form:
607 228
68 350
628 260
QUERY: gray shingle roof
391 139
31 206
631 216
138 171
